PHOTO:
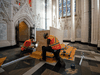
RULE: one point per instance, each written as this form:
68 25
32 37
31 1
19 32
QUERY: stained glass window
74 5
60 8
68 7
64 8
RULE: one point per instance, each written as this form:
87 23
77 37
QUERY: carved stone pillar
57 5
99 27
11 33
85 21
95 21
73 22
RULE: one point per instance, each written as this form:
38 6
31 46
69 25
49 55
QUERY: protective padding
2 60
50 59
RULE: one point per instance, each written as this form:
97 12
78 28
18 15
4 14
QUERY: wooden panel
23 31
40 38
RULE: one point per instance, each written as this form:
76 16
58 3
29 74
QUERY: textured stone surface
3 31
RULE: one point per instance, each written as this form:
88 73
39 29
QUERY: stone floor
84 46
30 66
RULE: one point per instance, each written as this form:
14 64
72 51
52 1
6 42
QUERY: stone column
51 12
92 11
99 27
73 22
85 21
57 5
95 21
11 28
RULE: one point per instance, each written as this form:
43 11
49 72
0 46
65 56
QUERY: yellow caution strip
2 60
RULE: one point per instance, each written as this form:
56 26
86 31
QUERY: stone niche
3 31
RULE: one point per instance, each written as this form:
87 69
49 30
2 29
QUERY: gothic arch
25 18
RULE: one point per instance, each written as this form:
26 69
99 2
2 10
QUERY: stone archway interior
23 31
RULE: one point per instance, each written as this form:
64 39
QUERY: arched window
66 4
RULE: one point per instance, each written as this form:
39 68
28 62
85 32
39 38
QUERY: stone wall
66 24
95 22
10 14
95 26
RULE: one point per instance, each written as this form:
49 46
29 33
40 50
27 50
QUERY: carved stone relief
54 22
60 24
78 23
78 33
26 10
78 27
65 26
69 23
38 18
16 7
3 17
6 4
65 33
15 10
4 11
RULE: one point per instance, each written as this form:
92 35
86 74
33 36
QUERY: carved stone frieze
54 22
3 17
4 10
38 20
6 4
16 6
26 10
15 10
78 23
69 23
